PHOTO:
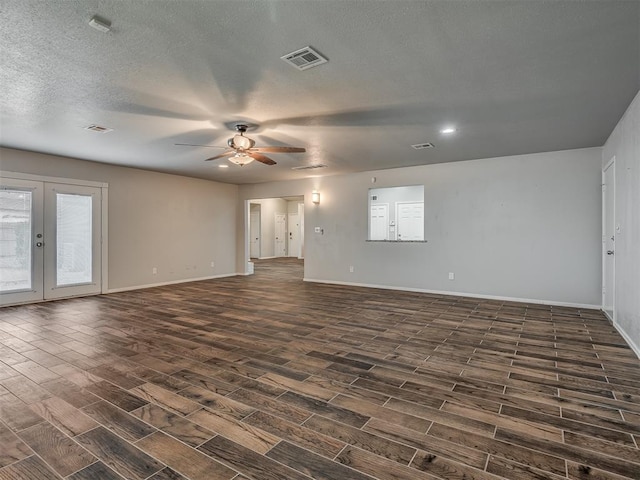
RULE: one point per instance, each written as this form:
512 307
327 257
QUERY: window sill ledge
397 241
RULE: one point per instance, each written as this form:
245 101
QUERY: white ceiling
513 77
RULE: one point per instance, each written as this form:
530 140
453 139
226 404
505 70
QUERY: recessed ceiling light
223 166
100 24
448 130
98 128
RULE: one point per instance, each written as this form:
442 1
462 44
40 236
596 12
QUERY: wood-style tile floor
268 377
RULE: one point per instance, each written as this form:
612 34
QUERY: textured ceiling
513 76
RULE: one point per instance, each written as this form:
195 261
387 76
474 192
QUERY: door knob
609 252
39 244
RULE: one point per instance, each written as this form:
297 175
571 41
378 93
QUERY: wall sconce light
315 197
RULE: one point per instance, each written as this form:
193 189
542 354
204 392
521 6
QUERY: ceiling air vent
304 58
310 167
98 129
422 146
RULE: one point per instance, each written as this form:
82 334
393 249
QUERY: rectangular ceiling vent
98 129
310 167
304 58
422 146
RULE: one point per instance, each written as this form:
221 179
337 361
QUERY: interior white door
280 234
294 235
254 235
410 221
50 241
608 240
379 222
21 241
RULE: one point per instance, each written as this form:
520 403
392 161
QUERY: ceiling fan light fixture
241 159
242 142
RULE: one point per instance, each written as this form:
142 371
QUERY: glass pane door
20 241
50 241
73 250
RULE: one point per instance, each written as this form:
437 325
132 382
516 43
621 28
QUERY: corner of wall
624 145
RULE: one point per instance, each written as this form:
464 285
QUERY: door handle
39 244
609 252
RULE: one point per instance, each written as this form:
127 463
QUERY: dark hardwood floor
267 377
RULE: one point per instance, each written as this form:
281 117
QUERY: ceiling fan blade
196 145
222 155
261 158
279 149
390 115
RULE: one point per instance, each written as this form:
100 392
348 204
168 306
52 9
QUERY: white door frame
610 164
104 210
301 229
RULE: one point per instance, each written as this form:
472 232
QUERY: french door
50 240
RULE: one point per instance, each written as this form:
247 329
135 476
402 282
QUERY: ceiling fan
242 151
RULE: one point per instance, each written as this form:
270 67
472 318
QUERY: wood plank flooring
268 377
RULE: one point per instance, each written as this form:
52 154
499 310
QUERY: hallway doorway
276 228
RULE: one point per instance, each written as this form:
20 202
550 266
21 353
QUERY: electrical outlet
213 264
154 270
451 276
350 268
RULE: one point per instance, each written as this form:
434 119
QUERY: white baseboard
624 335
608 316
266 258
627 338
172 282
460 294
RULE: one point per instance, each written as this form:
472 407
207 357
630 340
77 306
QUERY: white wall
624 144
525 227
177 224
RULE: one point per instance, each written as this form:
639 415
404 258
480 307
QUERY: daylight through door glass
15 240
73 239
